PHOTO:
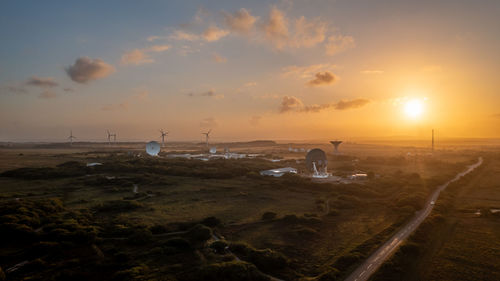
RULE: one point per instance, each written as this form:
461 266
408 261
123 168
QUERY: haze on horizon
249 70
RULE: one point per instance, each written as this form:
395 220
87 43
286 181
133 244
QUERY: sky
282 70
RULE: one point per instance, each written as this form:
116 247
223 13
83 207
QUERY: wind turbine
109 137
71 137
163 135
207 136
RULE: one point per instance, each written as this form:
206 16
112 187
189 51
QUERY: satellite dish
213 150
318 157
153 148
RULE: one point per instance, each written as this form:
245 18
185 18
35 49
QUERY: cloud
47 95
250 84
290 104
153 38
68 90
141 56
142 95
293 104
349 104
240 21
136 57
255 120
372 71
86 69
308 33
210 93
114 107
214 33
16 89
209 122
44 82
180 35
323 78
276 28
218 58
339 43
306 71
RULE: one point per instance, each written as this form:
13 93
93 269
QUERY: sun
414 108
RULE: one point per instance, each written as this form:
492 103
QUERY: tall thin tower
432 140
71 137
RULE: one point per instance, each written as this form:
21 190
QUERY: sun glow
414 108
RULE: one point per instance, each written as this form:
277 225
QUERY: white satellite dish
153 148
213 150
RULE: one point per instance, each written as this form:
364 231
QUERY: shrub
199 233
331 275
2 274
118 206
158 229
141 236
228 271
211 221
269 216
178 243
219 246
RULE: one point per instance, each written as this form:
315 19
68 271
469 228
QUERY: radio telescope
213 150
153 148
317 163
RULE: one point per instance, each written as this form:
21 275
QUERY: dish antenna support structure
207 136
163 135
336 144
71 137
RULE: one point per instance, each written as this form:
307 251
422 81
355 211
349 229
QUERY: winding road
370 266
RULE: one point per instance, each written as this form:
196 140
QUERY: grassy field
151 219
461 239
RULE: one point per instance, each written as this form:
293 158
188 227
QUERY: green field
66 220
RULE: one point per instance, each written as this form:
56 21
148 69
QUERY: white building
278 172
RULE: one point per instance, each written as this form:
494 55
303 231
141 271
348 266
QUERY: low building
278 172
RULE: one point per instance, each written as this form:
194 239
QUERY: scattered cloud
372 71
141 56
322 78
250 84
306 71
240 21
255 120
44 82
180 35
68 90
209 122
218 58
136 57
349 104
142 95
47 95
210 93
153 38
16 89
294 104
213 33
86 69
276 28
115 107
308 33
339 43
290 103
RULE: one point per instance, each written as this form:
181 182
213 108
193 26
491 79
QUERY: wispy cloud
213 33
372 71
141 56
294 104
44 82
86 69
210 93
276 28
339 43
47 94
218 58
307 71
240 21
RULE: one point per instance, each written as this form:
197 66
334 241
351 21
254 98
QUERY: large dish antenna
153 148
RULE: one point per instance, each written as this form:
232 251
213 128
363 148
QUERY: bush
178 243
2 274
269 216
158 229
331 275
141 236
211 221
118 206
199 233
228 271
219 246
